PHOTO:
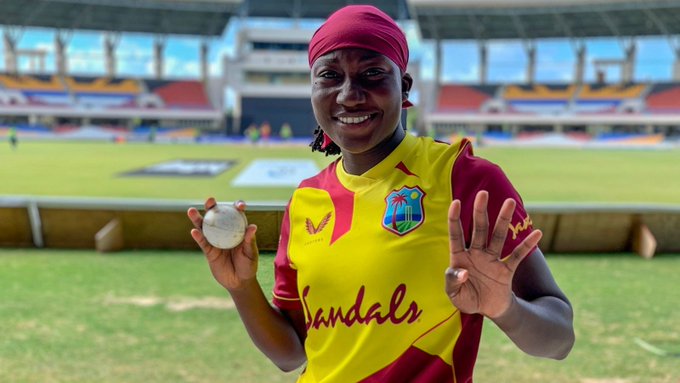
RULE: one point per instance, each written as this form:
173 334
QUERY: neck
359 163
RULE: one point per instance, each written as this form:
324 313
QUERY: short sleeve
471 174
286 296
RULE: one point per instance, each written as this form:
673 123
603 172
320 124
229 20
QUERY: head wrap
365 27
360 26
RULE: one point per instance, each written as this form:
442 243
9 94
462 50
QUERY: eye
329 74
373 72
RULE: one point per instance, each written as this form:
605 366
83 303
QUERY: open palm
478 280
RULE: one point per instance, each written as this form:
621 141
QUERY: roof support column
580 69
110 45
10 43
676 65
158 50
483 62
61 63
531 62
438 58
204 49
628 72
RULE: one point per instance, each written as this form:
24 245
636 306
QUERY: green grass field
540 175
147 317
152 317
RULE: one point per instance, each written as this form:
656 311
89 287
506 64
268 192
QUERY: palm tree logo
396 201
404 210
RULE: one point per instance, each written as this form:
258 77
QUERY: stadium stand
539 99
34 90
103 92
664 98
600 98
464 98
179 94
559 99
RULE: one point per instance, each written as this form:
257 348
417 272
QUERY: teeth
353 120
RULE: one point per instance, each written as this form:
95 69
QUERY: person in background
286 132
252 134
391 257
152 134
265 131
13 138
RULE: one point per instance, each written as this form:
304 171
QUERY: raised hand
230 267
477 279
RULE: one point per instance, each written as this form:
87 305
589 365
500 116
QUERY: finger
480 219
500 231
522 250
240 205
207 249
456 236
202 242
250 233
195 217
210 203
249 242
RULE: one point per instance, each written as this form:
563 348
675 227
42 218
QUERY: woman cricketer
390 258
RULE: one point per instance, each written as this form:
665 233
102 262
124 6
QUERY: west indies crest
404 210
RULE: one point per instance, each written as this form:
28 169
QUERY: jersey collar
380 170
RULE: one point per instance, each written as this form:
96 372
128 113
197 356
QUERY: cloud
174 67
469 74
44 46
86 62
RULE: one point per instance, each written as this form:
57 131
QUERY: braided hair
317 144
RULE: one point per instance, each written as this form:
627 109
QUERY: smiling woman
356 97
390 258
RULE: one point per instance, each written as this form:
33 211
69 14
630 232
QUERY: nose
351 93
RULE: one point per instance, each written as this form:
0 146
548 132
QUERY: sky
507 60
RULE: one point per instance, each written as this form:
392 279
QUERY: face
357 96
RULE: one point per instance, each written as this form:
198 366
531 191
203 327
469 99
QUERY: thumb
455 277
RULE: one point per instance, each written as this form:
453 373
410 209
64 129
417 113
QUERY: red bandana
365 27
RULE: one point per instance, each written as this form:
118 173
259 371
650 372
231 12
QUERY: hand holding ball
224 226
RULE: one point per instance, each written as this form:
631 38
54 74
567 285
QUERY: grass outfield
540 175
80 317
147 317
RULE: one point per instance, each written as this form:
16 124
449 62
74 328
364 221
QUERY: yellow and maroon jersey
364 258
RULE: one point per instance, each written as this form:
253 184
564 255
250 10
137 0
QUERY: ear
406 83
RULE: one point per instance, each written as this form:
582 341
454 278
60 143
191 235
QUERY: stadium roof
535 19
181 17
318 9
437 19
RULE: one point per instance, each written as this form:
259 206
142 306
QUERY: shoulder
437 157
471 169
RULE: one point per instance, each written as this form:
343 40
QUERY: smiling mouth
355 120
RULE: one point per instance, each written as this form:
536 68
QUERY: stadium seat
101 92
664 98
464 98
37 89
602 98
539 99
180 94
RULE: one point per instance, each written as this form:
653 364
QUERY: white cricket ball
224 226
